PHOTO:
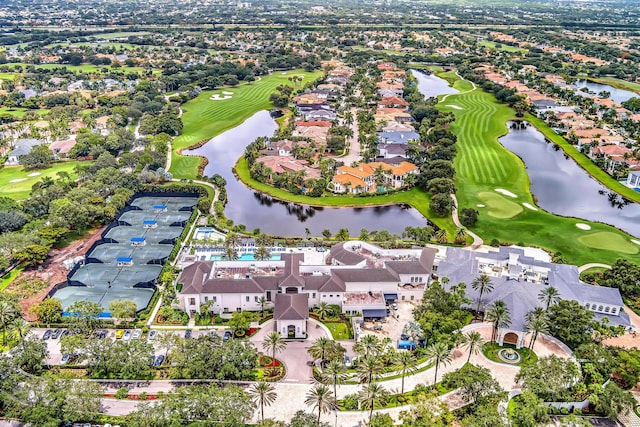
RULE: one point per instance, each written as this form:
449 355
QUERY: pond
431 85
618 95
257 210
564 188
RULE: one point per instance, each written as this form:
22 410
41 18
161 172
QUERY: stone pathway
477 240
591 265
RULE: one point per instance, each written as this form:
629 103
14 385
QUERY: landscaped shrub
122 393
350 402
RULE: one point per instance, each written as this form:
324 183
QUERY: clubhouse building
363 279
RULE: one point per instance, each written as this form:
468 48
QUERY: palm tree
8 312
482 284
439 353
263 393
262 253
407 362
320 397
20 329
371 395
319 348
441 236
549 296
335 373
274 343
473 341
263 302
369 368
499 316
368 345
323 309
232 240
536 324
461 235
231 254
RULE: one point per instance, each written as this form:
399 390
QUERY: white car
137 333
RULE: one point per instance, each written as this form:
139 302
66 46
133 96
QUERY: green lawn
339 330
490 351
204 118
414 197
19 112
484 165
86 68
504 47
16 183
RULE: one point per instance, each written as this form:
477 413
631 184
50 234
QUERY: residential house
61 148
21 147
362 178
397 137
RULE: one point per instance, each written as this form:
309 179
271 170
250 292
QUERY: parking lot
53 341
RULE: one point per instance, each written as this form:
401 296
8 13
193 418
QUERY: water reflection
618 95
563 187
431 85
256 210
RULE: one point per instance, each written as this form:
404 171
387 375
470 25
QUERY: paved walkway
591 265
627 340
354 145
477 240
291 394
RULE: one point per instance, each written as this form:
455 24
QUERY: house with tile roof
518 276
362 178
359 277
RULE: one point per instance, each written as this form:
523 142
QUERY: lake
618 95
257 210
564 188
431 85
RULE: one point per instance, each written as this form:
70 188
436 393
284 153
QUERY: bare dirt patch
53 271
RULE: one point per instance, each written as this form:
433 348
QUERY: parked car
64 333
65 359
187 333
127 335
47 334
404 337
152 335
56 334
212 334
227 335
347 361
137 333
103 334
394 305
159 360
119 333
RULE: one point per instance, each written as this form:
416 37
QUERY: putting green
499 206
609 241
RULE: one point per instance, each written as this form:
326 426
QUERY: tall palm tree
8 312
549 296
440 354
441 236
263 303
461 235
481 284
275 344
20 328
232 240
263 393
262 253
371 395
407 363
536 324
369 368
335 373
499 316
319 348
368 345
231 253
473 341
323 309
320 397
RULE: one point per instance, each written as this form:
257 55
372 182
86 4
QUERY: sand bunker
217 97
224 92
529 206
18 180
283 73
455 107
34 174
582 226
505 192
480 205
637 242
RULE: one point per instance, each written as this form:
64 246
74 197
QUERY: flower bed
133 396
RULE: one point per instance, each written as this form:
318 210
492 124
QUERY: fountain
510 356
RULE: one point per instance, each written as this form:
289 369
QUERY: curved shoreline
445 223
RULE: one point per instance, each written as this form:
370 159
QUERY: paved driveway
295 357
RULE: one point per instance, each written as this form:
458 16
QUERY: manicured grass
499 206
86 68
504 47
483 164
490 351
339 330
8 278
414 197
20 190
19 112
204 118
609 241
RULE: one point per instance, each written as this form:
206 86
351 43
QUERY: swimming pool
243 257
208 233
